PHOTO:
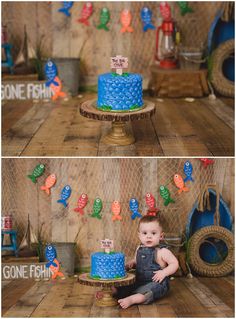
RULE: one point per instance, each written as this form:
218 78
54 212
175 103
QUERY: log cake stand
118 134
106 300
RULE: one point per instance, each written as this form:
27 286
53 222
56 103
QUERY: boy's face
150 234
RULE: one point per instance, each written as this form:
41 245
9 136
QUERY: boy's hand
130 265
159 276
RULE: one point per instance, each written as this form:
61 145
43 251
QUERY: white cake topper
107 244
119 63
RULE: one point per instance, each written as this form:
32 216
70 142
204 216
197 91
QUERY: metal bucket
66 256
190 58
6 222
68 72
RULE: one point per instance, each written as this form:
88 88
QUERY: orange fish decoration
86 13
49 182
116 208
55 270
82 202
179 182
125 19
151 203
57 89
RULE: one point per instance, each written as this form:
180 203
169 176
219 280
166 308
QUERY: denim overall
145 266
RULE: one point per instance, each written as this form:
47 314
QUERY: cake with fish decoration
119 91
108 265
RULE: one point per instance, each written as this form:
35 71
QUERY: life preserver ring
198 264
222 85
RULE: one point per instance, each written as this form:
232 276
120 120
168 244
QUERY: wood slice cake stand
118 134
106 300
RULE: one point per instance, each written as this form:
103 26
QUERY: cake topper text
107 244
119 63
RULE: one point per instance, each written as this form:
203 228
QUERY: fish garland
50 70
37 172
184 8
86 13
134 205
67 5
104 19
116 209
82 202
165 11
151 203
206 162
179 183
125 19
188 170
146 17
49 183
65 194
97 208
165 194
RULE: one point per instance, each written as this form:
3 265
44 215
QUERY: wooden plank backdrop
110 179
65 37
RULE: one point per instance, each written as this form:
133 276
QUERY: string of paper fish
86 13
134 205
125 19
97 208
188 170
104 19
82 202
146 17
37 172
65 194
184 8
179 183
49 183
151 204
165 194
66 6
116 209
206 162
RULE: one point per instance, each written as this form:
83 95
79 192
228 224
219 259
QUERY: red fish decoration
179 182
116 208
49 182
57 89
206 162
86 13
125 19
165 11
82 202
151 203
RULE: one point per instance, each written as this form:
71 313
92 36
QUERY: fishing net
109 179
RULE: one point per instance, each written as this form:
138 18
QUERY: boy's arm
132 262
172 263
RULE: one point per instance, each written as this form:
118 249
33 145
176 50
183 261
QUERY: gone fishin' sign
25 91
27 271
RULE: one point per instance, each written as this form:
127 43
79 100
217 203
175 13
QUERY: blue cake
120 92
106 266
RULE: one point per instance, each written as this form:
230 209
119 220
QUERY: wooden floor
179 128
197 297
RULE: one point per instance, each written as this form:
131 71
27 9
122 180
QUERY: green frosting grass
123 74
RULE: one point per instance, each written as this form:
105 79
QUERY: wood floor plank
131 312
148 311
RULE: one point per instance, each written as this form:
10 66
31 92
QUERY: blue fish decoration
65 194
146 16
50 70
133 205
188 170
50 254
66 7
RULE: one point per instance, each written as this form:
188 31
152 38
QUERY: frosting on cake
107 265
120 92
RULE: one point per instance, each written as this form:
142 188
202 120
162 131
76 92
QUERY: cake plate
106 300
118 134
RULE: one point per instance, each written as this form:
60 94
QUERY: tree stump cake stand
106 300
118 134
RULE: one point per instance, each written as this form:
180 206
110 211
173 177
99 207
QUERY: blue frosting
107 266
119 92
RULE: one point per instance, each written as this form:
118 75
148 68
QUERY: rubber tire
221 84
206 269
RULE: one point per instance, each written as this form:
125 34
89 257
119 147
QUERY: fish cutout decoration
86 13
179 182
165 194
37 172
151 203
55 270
67 5
125 19
146 17
49 182
184 8
206 162
104 19
82 202
50 255
116 208
97 208
57 90
65 194
165 11
50 71
133 205
188 170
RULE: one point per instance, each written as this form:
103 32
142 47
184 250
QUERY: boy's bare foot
131 300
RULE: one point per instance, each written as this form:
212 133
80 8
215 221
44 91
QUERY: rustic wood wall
109 179
64 37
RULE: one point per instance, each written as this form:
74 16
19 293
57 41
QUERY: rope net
109 179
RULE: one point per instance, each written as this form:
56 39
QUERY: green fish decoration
184 8
97 208
104 19
165 194
38 171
